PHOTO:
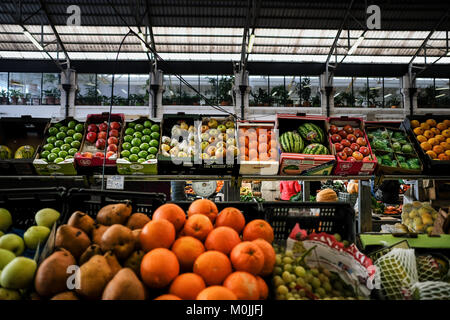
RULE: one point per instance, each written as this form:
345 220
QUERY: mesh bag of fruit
428 269
396 273
431 290
419 216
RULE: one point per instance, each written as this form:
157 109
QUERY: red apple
336 138
348 151
113 140
357 155
333 129
339 147
351 159
91 137
354 147
361 141
364 150
109 154
351 138
358 133
86 155
343 134
342 155
348 128
101 135
115 125
345 143
112 147
113 133
100 144
367 159
99 154
103 126
92 128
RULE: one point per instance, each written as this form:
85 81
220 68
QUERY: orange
253 154
418 131
243 284
269 256
431 122
167 297
187 286
440 138
446 133
231 217
198 226
263 288
447 140
253 144
445 145
213 267
187 249
425 126
263 138
447 153
159 267
273 143
264 156
433 141
258 229
247 256
428 134
435 131
432 154
216 293
447 123
438 149
415 123
171 212
222 239
421 138
443 156
263 147
157 234
205 207
441 126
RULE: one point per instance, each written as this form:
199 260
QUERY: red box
98 161
344 167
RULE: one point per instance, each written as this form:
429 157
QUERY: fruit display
308 139
182 142
419 216
5 153
24 152
291 142
433 137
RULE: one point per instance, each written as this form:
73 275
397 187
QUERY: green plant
370 95
15 93
316 101
221 88
426 97
337 186
49 93
280 95
250 198
306 89
261 97
4 93
393 101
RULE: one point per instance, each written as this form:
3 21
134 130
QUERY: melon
5 153
24 152
327 195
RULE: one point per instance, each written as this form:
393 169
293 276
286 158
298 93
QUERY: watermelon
24 152
5 153
316 148
311 132
291 142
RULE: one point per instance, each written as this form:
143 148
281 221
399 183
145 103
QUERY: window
104 86
51 93
188 96
392 95
441 89
120 90
293 91
259 95
426 93
171 95
343 97
25 88
138 95
87 89
4 88
208 88
315 91
278 93
375 92
360 91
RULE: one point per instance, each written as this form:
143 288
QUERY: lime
136 142
144 146
53 131
58 143
79 128
155 128
155 135
58 125
48 146
70 132
146 138
137 134
65 147
148 124
58 160
44 154
75 144
154 143
63 154
147 131
131 124
125 153
68 140
129 131
143 154
153 150
134 158
60 135
141 160
139 127
51 140
72 151
128 138
135 150
126 146
55 150
78 136
51 157
71 124
151 156
63 129
69 157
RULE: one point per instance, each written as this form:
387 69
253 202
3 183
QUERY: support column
68 89
364 207
409 94
156 92
326 94
242 90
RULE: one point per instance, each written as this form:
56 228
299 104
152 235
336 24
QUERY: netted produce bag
427 269
431 290
419 216
396 273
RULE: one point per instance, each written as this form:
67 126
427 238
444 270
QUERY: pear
18 274
91 251
94 275
66 295
118 239
112 262
72 239
134 261
81 221
9 294
124 286
98 232
137 242
13 243
47 217
51 276
137 221
6 257
114 214
5 219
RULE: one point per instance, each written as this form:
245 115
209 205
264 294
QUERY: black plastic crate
329 217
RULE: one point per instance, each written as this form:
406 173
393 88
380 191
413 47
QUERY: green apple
35 235
6 257
46 217
9 294
5 219
1 233
13 243
18 274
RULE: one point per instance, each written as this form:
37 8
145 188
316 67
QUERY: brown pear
98 232
72 239
91 251
134 261
112 262
137 242
118 239
81 221
94 275
124 286
114 214
51 276
137 221
66 295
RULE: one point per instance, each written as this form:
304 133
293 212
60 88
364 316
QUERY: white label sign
115 182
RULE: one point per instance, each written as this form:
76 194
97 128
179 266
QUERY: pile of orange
434 138
257 144
208 255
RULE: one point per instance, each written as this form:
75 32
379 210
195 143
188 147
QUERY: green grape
288 260
323 278
321 292
289 253
282 290
277 281
301 282
315 283
300 271
302 293
292 285
327 286
286 276
278 260
287 267
308 287
277 271
315 272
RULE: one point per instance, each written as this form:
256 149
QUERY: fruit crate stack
55 156
140 145
304 147
19 141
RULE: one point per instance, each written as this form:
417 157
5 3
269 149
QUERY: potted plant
15 95
426 97
306 92
394 102
348 99
49 97
316 101
57 95
280 95
4 97
289 103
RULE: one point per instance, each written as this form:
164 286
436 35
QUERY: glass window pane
343 97
138 89
51 93
426 94
171 95
278 93
208 88
104 86
4 88
188 96
87 93
120 90
293 91
315 91
360 91
225 90
375 93
442 93
259 95
25 88
392 95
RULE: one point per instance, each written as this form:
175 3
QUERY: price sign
115 182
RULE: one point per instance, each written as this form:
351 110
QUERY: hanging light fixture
355 45
32 39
